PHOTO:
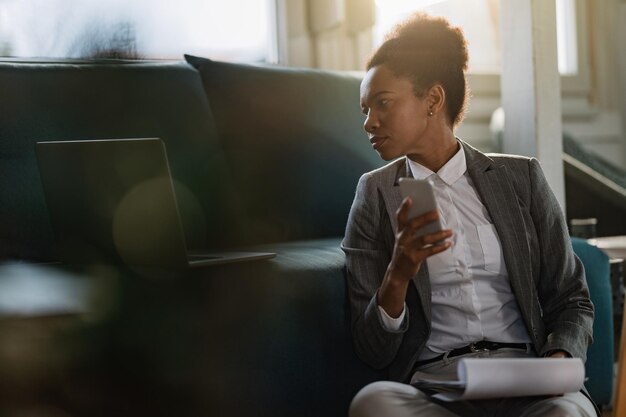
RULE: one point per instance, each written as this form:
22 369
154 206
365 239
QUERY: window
154 29
566 36
481 24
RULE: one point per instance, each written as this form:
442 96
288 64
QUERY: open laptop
113 201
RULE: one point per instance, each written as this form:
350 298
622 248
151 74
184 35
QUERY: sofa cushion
295 145
285 327
260 338
98 100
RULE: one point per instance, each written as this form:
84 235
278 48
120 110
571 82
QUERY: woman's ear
436 97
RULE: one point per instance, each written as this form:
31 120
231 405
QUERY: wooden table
620 388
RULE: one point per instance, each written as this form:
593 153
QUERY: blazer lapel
496 190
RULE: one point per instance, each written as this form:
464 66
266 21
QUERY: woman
500 280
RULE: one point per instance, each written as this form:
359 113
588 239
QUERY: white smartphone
423 198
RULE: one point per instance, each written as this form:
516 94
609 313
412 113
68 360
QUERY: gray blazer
546 277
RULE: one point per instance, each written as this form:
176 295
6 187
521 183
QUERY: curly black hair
428 51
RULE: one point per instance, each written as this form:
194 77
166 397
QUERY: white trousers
393 399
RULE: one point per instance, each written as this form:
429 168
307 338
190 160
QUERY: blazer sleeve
562 287
367 258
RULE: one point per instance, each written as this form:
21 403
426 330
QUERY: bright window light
481 25
229 30
566 36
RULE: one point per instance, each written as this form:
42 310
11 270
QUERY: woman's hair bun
432 35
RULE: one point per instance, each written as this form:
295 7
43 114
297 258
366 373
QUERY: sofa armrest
599 366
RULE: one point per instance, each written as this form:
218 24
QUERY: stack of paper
509 377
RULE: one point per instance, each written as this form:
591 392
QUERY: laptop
113 200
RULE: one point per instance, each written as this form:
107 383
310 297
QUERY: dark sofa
272 155
262 157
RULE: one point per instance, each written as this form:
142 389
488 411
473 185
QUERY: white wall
593 101
336 34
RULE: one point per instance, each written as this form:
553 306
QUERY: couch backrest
258 154
295 146
70 101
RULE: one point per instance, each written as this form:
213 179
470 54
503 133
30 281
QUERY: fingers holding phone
415 236
418 235
419 232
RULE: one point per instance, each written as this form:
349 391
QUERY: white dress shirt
472 298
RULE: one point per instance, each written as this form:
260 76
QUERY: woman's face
396 119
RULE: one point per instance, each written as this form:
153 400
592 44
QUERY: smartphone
423 198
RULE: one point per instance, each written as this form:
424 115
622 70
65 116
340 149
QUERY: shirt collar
454 169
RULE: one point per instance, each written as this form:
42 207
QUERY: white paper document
479 378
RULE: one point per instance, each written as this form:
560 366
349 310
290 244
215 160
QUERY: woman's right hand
409 253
